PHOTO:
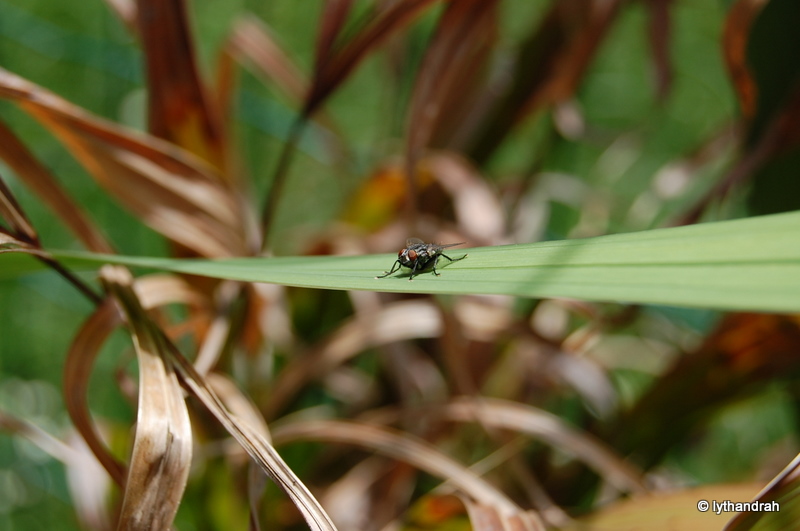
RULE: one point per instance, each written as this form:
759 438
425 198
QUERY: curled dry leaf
488 518
171 190
77 369
254 444
162 447
393 322
478 212
179 108
352 498
250 434
548 427
238 403
401 446
39 179
154 291
89 486
462 36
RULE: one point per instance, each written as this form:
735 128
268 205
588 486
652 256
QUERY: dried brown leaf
660 34
153 291
36 176
394 322
250 434
171 190
734 46
401 446
488 518
783 489
548 427
77 369
254 444
89 494
335 59
334 15
162 447
179 107
462 35
251 39
11 212
550 66
89 486
353 497
126 11
478 212
51 445
238 403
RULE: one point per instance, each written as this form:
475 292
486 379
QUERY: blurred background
522 122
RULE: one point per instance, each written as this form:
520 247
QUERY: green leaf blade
748 264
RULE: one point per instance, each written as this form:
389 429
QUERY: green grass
747 264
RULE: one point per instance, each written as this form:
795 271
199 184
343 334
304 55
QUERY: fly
418 256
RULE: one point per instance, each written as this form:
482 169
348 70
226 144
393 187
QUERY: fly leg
387 273
451 259
413 270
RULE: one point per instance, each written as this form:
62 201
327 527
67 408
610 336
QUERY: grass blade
746 264
162 448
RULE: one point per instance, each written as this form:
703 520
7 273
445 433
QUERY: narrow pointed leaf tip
747 264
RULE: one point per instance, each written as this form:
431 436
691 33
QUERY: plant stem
275 188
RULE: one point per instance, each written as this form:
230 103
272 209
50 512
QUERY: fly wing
446 245
414 241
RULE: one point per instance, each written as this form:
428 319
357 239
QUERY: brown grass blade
11 212
461 38
660 39
89 486
39 179
734 46
488 518
162 448
252 40
550 65
478 211
335 61
783 489
509 415
248 429
255 445
89 496
334 15
238 403
22 237
394 322
77 369
51 445
179 107
153 291
171 190
397 445
126 11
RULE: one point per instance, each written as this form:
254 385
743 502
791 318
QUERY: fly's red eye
401 253
412 255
